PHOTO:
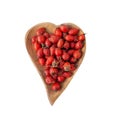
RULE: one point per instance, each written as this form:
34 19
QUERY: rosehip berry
72 67
78 45
72 44
52 50
60 78
40 53
41 61
73 31
46 51
77 54
70 52
67 74
58 32
49 60
66 66
41 39
81 37
65 56
46 34
56 86
36 46
58 52
49 80
64 28
69 37
54 39
34 39
47 72
48 43
73 60
40 31
53 71
60 43
66 45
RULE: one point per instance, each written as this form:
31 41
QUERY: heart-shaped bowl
52 95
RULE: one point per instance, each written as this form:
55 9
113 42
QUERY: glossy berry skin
66 45
49 80
70 52
60 43
69 37
54 39
77 54
64 28
52 50
66 66
58 52
73 60
36 46
72 44
81 37
65 56
56 86
40 53
53 71
41 61
60 78
46 34
34 39
73 31
48 43
40 31
46 51
78 45
58 32
47 72
49 60
67 74
41 39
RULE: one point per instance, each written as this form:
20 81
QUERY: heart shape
55 92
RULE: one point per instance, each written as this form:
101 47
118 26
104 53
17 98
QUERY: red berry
48 43
46 51
65 56
70 52
40 31
46 34
40 53
47 72
61 64
56 86
49 80
67 74
36 46
58 32
34 39
66 45
54 39
41 61
52 50
81 37
41 39
66 66
78 45
53 71
64 28
73 31
72 44
73 60
58 52
77 54
60 78
69 37
49 60
60 43
72 67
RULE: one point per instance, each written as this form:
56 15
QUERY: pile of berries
58 53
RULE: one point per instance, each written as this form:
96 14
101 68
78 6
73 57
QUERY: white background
94 92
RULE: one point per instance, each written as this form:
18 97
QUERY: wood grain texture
52 95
